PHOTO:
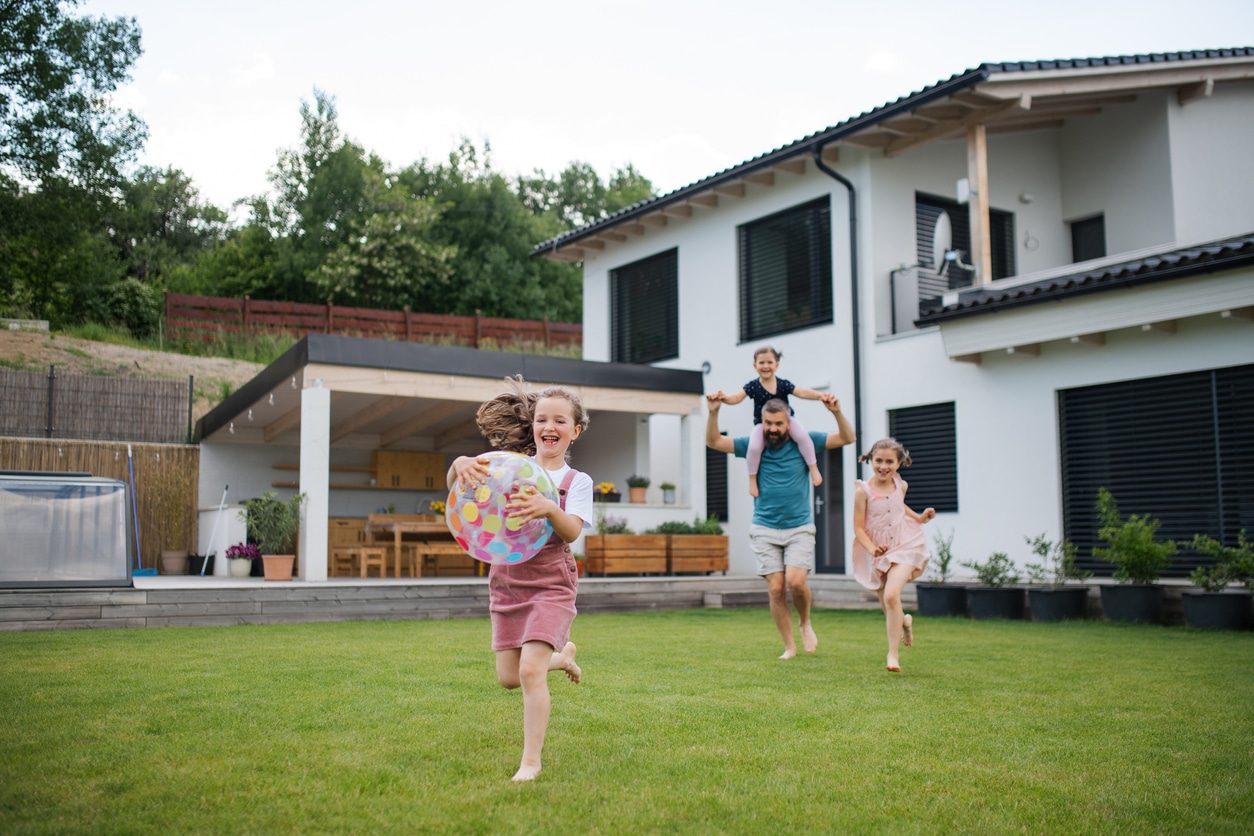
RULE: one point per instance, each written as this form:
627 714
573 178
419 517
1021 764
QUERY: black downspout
817 151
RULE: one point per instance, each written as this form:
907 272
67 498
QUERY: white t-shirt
579 495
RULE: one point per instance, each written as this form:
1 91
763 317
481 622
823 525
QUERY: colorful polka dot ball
476 514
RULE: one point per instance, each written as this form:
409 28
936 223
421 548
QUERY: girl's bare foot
573 673
893 665
808 640
788 654
907 631
526 772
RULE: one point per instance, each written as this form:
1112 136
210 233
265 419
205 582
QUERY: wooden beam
591 244
631 229
1203 89
981 233
761 178
1030 350
830 153
730 190
973 98
616 237
796 165
1246 314
569 253
678 210
287 421
945 128
973 359
455 433
655 219
421 422
1089 339
379 409
1111 79
1167 326
872 138
708 199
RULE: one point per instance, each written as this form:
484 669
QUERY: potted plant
1049 598
1140 558
274 524
637 486
936 595
239 559
172 507
699 546
1213 606
605 492
668 493
995 596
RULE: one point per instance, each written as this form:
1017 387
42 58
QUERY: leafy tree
577 196
160 223
56 72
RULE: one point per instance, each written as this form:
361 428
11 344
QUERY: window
937 278
786 271
644 309
930 434
1178 448
1088 238
716 484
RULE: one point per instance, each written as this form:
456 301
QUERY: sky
677 88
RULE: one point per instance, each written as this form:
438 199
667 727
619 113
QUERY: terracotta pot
174 562
637 494
278 566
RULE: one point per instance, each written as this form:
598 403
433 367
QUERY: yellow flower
605 487
436 506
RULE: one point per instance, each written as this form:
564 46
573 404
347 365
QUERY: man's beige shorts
776 548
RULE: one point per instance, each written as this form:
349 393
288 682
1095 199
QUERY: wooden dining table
420 528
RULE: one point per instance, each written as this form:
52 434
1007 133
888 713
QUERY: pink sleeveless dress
887 522
535 600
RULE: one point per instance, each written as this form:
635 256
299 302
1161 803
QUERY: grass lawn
685 723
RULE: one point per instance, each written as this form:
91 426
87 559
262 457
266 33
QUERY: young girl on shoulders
532 604
764 388
889 547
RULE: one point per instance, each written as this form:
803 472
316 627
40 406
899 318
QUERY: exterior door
829 514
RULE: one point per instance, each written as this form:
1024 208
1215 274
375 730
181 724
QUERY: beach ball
476 515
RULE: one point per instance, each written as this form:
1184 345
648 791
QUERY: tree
578 197
160 223
56 72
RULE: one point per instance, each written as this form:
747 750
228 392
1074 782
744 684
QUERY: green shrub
996 571
709 525
939 567
1134 548
134 304
1057 562
1232 563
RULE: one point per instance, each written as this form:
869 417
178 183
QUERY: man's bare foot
893 665
808 640
526 772
788 654
573 673
816 478
907 631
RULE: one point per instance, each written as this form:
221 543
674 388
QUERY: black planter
1141 603
1216 610
1058 603
987 602
259 568
941 599
195 561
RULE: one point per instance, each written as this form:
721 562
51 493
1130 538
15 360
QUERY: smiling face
555 428
885 463
774 428
765 364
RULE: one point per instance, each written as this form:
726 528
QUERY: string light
232 428
250 414
271 399
293 382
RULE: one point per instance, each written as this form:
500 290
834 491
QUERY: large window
1088 238
786 271
930 434
941 224
644 309
1178 448
716 484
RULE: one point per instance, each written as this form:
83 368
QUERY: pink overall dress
887 522
535 600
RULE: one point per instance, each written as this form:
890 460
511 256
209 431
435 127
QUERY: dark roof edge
292 361
801 146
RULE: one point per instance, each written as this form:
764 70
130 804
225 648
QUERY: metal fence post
191 400
52 376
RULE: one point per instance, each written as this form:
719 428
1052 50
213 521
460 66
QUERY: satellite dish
942 240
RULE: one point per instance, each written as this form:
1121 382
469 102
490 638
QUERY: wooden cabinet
409 471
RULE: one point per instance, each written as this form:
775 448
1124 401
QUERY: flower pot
174 562
1216 610
607 497
668 496
258 569
988 602
637 494
1136 602
278 567
195 562
1058 603
941 599
240 567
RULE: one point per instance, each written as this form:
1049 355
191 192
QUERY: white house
1039 276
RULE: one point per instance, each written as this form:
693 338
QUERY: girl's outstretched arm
735 397
808 394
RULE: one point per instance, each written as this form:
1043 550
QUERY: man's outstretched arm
713 438
844 434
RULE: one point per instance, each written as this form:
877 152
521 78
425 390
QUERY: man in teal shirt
782 531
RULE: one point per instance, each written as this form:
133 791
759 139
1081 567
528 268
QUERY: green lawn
685 722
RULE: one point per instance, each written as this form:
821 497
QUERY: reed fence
166 476
207 317
93 408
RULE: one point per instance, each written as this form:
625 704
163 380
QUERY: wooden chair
344 541
374 555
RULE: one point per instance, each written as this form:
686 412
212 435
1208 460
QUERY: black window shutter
644 309
929 433
786 271
716 484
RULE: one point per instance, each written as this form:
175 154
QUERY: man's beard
773 441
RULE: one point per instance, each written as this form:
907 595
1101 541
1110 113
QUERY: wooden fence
207 317
89 407
160 470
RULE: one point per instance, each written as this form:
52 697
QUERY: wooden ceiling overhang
974 105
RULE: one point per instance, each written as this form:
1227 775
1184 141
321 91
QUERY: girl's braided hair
903 455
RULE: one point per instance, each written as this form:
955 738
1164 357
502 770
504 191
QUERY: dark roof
818 139
1228 254
442 359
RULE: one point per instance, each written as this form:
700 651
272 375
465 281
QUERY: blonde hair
505 421
577 412
903 455
767 349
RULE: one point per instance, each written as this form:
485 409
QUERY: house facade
1038 276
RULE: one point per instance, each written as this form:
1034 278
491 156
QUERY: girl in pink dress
532 603
889 547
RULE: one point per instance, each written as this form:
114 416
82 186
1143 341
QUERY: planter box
607 497
941 599
987 602
1058 603
696 553
1216 610
1141 603
625 554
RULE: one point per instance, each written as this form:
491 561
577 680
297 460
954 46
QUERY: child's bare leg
507 667
778 597
753 457
805 446
753 484
895 579
564 660
533 671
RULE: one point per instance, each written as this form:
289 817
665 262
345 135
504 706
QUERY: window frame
790 249
645 294
930 433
